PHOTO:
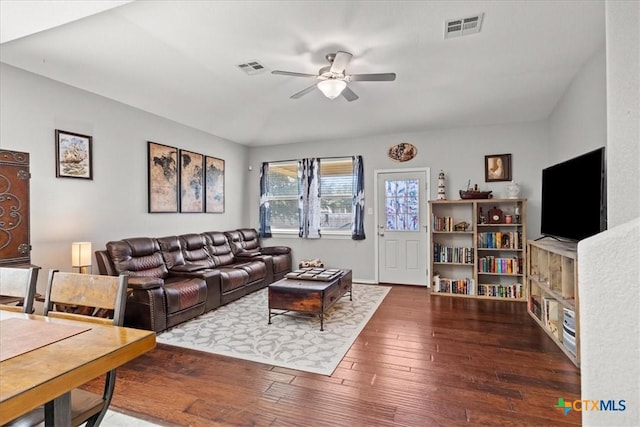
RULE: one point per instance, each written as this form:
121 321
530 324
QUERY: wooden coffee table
313 297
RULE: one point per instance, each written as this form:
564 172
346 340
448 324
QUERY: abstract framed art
162 164
74 155
497 167
214 185
191 182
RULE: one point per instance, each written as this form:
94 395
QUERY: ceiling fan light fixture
332 88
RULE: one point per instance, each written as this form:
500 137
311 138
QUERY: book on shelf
513 291
459 255
454 286
500 240
535 306
500 265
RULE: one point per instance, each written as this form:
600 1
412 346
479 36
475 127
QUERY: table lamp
81 256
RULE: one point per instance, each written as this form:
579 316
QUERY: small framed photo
73 155
497 167
191 182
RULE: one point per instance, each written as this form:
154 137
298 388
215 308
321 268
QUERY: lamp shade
332 88
80 254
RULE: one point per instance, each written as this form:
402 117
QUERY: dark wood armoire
15 244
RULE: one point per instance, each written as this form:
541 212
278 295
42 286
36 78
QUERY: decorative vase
513 189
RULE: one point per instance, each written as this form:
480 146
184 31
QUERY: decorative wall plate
402 152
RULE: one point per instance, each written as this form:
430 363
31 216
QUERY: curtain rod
295 160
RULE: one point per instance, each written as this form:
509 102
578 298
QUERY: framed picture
191 182
214 185
73 155
497 167
162 164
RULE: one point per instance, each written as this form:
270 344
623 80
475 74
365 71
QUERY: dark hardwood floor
421 360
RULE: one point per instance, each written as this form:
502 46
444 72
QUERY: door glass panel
402 205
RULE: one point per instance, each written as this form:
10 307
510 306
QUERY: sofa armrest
247 255
145 282
276 250
187 268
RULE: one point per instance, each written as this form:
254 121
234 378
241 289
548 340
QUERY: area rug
240 330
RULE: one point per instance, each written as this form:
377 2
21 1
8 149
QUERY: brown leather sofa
176 278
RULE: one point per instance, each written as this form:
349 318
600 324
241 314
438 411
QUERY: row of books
443 253
491 264
500 240
443 223
454 286
513 290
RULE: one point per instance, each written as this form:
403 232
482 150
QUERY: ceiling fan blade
291 73
303 92
340 62
384 77
349 94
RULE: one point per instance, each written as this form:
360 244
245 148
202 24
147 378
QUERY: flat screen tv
574 200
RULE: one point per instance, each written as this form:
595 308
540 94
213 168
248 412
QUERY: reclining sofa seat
238 276
245 243
173 250
159 300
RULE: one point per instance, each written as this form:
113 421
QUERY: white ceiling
178 59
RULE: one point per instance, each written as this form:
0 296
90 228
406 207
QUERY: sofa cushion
232 278
137 256
256 270
184 293
194 247
218 248
171 251
250 240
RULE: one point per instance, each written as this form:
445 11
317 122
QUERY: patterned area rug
240 330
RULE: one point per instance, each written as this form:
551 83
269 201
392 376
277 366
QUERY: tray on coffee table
314 273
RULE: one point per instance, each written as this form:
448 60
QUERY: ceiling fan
334 78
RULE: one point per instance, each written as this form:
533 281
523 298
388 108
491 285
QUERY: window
336 194
311 196
402 205
283 196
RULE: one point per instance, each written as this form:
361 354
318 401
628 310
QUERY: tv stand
552 285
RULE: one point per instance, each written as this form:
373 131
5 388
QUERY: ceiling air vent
252 67
462 27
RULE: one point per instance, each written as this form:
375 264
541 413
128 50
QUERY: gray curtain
357 230
264 226
309 198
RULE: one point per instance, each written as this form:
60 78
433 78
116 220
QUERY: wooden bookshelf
486 259
552 291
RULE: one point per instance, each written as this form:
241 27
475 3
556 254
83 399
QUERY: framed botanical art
497 167
214 185
162 164
73 155
191 182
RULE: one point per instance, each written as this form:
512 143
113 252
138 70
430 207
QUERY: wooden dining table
42 359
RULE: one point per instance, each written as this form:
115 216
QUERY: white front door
402 226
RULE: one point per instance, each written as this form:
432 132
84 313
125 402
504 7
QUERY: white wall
609 273
114 204
458 152
578 123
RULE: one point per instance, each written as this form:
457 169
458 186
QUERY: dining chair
18 285
88 298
